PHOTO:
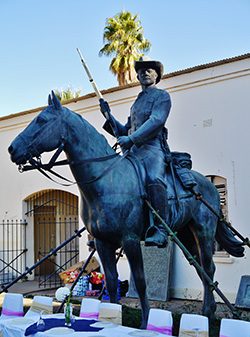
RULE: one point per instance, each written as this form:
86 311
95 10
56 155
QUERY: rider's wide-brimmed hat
145 61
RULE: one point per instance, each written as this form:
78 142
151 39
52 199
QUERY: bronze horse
112 208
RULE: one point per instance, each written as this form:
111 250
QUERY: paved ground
30 288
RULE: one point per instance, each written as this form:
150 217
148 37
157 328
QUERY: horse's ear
56 101
50 100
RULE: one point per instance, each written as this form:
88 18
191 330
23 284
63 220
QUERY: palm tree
124 40
64 95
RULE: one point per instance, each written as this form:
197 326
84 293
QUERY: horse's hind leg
205 245
132 249
199 241
209 305
107 255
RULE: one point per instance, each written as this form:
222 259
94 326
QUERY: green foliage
124 40
131 317
64 95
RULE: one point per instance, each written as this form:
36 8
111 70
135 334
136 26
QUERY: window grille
221 184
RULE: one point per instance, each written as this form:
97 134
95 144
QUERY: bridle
45 169
38 165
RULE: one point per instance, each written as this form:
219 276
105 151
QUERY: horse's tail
226 239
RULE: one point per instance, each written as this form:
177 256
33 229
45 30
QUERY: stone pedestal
243 295
157 262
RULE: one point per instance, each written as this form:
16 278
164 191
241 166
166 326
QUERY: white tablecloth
10 328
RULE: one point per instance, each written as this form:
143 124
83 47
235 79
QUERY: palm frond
123 39
66 94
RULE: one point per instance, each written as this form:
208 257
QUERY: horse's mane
89 131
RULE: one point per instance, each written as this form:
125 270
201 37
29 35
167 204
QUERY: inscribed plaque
157 262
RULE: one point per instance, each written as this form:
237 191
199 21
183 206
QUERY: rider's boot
157 234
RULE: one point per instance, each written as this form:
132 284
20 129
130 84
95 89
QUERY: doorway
44 237
54 219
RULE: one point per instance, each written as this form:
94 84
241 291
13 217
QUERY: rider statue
145 136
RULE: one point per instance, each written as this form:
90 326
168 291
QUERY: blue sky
39 40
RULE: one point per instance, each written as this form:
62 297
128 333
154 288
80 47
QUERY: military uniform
145 135
145 127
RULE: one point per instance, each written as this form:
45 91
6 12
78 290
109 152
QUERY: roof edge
131 85
207 65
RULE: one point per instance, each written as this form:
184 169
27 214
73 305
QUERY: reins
38 165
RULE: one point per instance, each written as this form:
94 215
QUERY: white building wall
218 97
209 119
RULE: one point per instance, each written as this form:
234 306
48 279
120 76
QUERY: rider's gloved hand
104 107
125 142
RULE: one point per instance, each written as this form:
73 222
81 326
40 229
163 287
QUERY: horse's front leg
106 253
132 249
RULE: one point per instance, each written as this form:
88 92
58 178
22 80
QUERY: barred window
221 185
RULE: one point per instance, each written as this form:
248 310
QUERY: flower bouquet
63 293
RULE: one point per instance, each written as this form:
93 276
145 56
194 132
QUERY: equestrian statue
114 187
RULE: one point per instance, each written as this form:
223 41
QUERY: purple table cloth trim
93 315
166 330
78 325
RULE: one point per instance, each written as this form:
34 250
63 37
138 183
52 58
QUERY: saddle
178 176
178 181
182 165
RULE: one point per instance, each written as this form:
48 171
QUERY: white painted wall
221 95
218 95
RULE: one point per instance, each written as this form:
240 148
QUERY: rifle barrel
97 91
100 97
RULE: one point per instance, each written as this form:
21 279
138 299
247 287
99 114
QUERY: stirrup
151 241
151 227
